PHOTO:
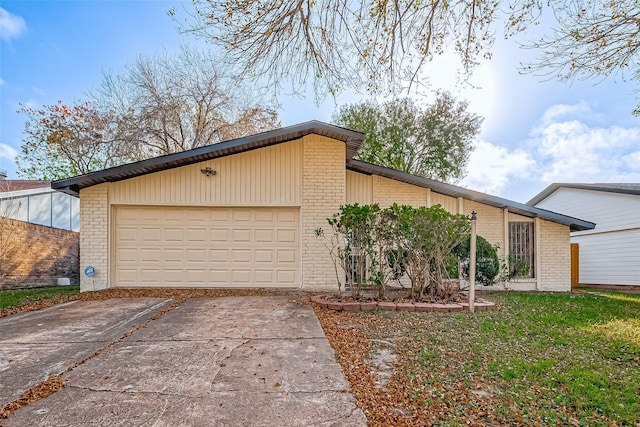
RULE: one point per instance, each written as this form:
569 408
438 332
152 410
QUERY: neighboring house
35 202
610 253
39 242
243 213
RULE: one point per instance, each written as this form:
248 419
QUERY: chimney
3 174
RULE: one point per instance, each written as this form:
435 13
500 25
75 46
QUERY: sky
535 132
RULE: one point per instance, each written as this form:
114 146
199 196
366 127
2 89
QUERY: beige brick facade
308 173
94 236
555 257
323 192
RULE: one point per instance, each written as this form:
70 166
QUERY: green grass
22 297
554 359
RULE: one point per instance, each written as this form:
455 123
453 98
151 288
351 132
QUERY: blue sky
534 132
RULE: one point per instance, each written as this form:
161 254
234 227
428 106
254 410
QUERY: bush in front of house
487 261
373 247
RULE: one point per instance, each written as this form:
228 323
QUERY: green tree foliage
434 142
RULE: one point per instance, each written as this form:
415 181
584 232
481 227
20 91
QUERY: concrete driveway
236 361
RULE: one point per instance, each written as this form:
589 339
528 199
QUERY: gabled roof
574 224
621 188
351 138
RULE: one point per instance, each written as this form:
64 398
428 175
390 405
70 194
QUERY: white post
472 263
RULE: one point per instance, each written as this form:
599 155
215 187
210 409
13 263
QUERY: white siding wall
610 258
610 253
610 211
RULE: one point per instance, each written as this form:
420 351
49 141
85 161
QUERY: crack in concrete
211 392
11 407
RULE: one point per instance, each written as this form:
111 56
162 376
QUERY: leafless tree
170 103
593 39
379 44
384 45
159 105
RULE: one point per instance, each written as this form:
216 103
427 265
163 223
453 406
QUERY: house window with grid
521 250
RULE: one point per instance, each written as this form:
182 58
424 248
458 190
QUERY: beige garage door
206 247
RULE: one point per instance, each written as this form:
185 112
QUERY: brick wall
323 191
94 233
387 192
35 255
555 258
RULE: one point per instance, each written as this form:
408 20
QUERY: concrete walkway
237 361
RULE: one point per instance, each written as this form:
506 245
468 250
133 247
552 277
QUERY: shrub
487 261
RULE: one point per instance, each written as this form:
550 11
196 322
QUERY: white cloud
1 81
563 110
632 160
491 167
11 26
572 151
7 152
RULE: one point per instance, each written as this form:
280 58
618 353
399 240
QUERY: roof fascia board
556 186
351 138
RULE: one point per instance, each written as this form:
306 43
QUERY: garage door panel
286 278
241 277
264 236
264 216
172 255
287 236
204 247
196 235
264 256
199 256
220 255
286 256
220 235
241 255
264 277
239 216
149 255
287 218
129 234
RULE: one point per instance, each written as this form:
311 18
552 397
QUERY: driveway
235 361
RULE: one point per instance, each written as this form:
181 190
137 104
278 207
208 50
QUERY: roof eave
352 139
574 224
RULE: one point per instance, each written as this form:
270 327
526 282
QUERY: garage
163 246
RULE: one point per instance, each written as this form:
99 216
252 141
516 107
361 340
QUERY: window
521 250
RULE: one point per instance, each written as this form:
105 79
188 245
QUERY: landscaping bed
370 304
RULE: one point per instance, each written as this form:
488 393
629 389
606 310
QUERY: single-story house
243 213
609 254
35 202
